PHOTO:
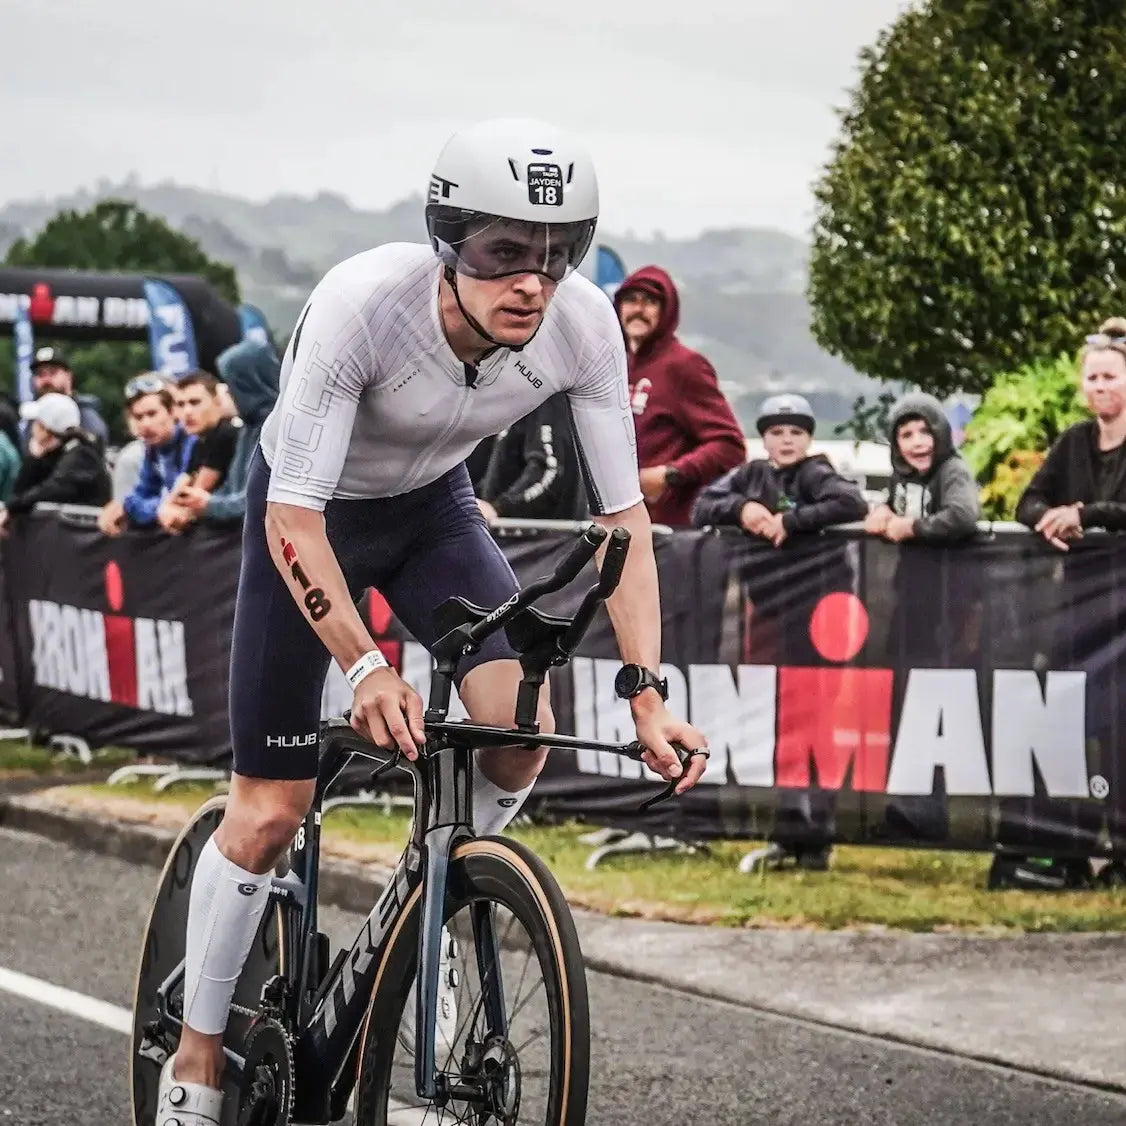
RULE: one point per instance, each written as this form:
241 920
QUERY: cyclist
404 358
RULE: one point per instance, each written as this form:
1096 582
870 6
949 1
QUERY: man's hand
774 529
754 517
1060 524
657 730
488 511
388 711
899 528
171 517
876 522
653 482
193 499
111 519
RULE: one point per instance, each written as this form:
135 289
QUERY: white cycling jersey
374 403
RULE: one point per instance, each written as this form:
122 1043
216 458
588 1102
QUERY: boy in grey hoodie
932 495
932 498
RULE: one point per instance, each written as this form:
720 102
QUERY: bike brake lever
383 768
685 756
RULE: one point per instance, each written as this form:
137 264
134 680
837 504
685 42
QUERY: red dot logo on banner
839 626
379 613
115 588
42 304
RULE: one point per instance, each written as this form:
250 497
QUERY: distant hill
742 290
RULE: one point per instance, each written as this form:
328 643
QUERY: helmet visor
485 246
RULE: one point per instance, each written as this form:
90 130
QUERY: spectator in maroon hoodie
687 435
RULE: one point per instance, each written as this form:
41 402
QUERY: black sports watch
632 680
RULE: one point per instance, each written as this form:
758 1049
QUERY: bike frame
326 1008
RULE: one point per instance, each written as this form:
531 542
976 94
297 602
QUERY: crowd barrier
849 689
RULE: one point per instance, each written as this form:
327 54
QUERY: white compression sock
224 911
494 808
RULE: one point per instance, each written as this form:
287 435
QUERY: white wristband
369 662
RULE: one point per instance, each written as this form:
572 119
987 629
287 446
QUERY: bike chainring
267 1087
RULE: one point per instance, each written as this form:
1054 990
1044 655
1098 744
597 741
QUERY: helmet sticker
545 184
440 189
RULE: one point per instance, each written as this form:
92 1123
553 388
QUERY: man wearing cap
63 463
687 434
50 373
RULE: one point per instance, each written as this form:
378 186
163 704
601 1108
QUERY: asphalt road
661 1058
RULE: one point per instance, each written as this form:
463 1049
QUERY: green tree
1019 418
115 235
973 212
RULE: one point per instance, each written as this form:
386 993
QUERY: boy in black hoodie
787 491
776 497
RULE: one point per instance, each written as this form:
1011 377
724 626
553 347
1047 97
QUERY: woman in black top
1082 483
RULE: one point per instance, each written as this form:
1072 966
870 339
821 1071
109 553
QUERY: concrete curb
354 886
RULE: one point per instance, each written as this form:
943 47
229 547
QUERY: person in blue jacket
151 410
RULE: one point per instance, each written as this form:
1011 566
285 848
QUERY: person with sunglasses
1082 483
1080 486
404 358
151 411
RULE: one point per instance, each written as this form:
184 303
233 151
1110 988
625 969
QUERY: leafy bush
1019 418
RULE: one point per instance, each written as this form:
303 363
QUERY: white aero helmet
785 410
512 196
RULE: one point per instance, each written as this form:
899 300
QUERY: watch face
627 681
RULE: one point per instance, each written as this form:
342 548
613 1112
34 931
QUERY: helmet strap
451 277
470 319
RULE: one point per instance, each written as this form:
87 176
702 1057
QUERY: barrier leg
191 774
635 843
761 858
602 837
138 770
72 745
384 800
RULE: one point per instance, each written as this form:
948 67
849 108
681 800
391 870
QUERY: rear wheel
163 950
536 1071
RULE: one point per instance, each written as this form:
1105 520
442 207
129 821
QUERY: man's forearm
635 607
303 556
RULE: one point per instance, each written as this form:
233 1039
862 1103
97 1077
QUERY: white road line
117 1019
108 1016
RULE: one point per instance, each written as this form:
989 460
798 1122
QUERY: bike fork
438 842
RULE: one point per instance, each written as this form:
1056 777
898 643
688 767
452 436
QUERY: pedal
153 1046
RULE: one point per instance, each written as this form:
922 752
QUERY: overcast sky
700 113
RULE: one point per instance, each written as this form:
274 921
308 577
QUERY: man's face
785 444
509 309
52 377
916 444
1104 382
639 313
196 408
151 420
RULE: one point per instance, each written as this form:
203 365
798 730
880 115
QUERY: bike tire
504 872
163 948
